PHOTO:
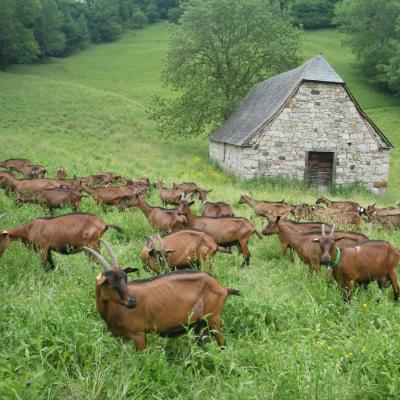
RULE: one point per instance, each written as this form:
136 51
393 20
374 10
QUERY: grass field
288 336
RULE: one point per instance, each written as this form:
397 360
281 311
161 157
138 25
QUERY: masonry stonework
319 117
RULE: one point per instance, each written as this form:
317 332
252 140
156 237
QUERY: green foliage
218 50
313 14
373 26
288 336
17 43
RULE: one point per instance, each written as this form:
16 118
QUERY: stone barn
303 124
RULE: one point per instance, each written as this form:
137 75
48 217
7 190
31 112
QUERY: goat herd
168 303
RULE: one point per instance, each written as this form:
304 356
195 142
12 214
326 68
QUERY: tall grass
288 336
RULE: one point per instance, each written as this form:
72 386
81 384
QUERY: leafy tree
373 26
219 49
48 29
104 20
313 14
17 43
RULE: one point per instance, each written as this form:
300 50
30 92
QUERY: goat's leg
392 275
348 290
46 257
140 341
215 325
245 251
50 260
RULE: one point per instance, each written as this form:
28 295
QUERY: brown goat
361 263
187 187
66 234
15 162
214 209
264 208
54 198
179 249
165 304
62 172
168 196
24 186
388 218
30 171
337 216
138 182
111 196
160 219
340 205
225 231
299 236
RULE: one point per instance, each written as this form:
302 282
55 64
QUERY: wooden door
320 168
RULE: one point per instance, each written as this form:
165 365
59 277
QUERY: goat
263 208
15 162
187 187
179 249
361 263
65 234
110 177
160 219
214 209
299 237
30 171
54 198
23 186
340 205
225 231
138 182
62 172
111 196
168 196
388 218
165 304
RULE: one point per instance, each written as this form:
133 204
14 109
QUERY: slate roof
267 98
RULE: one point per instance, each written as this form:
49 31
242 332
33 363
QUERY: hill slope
288 336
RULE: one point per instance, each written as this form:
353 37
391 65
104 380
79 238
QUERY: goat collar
337 259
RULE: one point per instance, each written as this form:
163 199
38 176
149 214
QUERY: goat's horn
332 231
157 243
99 257
113 258
323 230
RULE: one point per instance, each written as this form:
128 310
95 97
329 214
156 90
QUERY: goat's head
272 228
327 243
203 194
321 200
112 282
158 254
184 207
244 198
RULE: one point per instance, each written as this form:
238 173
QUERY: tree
218 50
17 43
313 14
104 20
48 29
374 36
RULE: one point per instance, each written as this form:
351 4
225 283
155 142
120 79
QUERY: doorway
320 168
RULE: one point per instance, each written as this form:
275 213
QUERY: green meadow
288 336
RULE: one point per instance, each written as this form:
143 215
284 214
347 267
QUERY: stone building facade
318 132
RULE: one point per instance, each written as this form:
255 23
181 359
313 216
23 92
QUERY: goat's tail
224 250
233 292
116 227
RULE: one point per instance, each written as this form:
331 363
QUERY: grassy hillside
288 336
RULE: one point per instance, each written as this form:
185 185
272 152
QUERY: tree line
35 29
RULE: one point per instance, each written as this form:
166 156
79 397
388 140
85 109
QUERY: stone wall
319 117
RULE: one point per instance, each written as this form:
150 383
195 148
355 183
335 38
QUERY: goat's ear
100 279
170 251
130 269
3 234
191 203
151 252
278 218
316 240
208 191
